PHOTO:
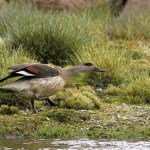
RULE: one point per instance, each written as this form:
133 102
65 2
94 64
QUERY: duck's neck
67 73
75 70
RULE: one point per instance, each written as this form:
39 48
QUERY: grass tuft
6 110
82 98
135 92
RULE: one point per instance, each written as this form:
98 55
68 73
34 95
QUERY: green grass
5 109
82 98
57 132
137 92
52 37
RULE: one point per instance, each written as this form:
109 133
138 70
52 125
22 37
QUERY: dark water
80 144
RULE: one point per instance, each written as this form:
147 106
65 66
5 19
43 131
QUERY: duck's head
89 67
85 67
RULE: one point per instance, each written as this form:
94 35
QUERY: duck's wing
32 70
19 66
38 70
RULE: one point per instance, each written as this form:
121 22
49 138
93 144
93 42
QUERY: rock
99 90
125 106
13 136
47 119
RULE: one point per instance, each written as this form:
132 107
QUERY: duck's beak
98 69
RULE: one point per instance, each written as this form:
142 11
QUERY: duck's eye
88 64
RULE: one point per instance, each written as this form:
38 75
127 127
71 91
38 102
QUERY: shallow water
79 144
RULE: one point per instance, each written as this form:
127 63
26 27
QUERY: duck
40 81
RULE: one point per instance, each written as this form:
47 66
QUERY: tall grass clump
111 58
51 36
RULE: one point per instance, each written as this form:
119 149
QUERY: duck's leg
53 102
32 106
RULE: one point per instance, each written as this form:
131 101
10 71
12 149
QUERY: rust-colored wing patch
33 70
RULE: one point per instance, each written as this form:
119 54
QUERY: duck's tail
4 89
5 78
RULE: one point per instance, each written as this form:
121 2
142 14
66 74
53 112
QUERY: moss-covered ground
111 121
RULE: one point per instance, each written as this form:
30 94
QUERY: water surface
79 144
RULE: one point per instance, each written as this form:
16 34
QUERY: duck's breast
48 86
